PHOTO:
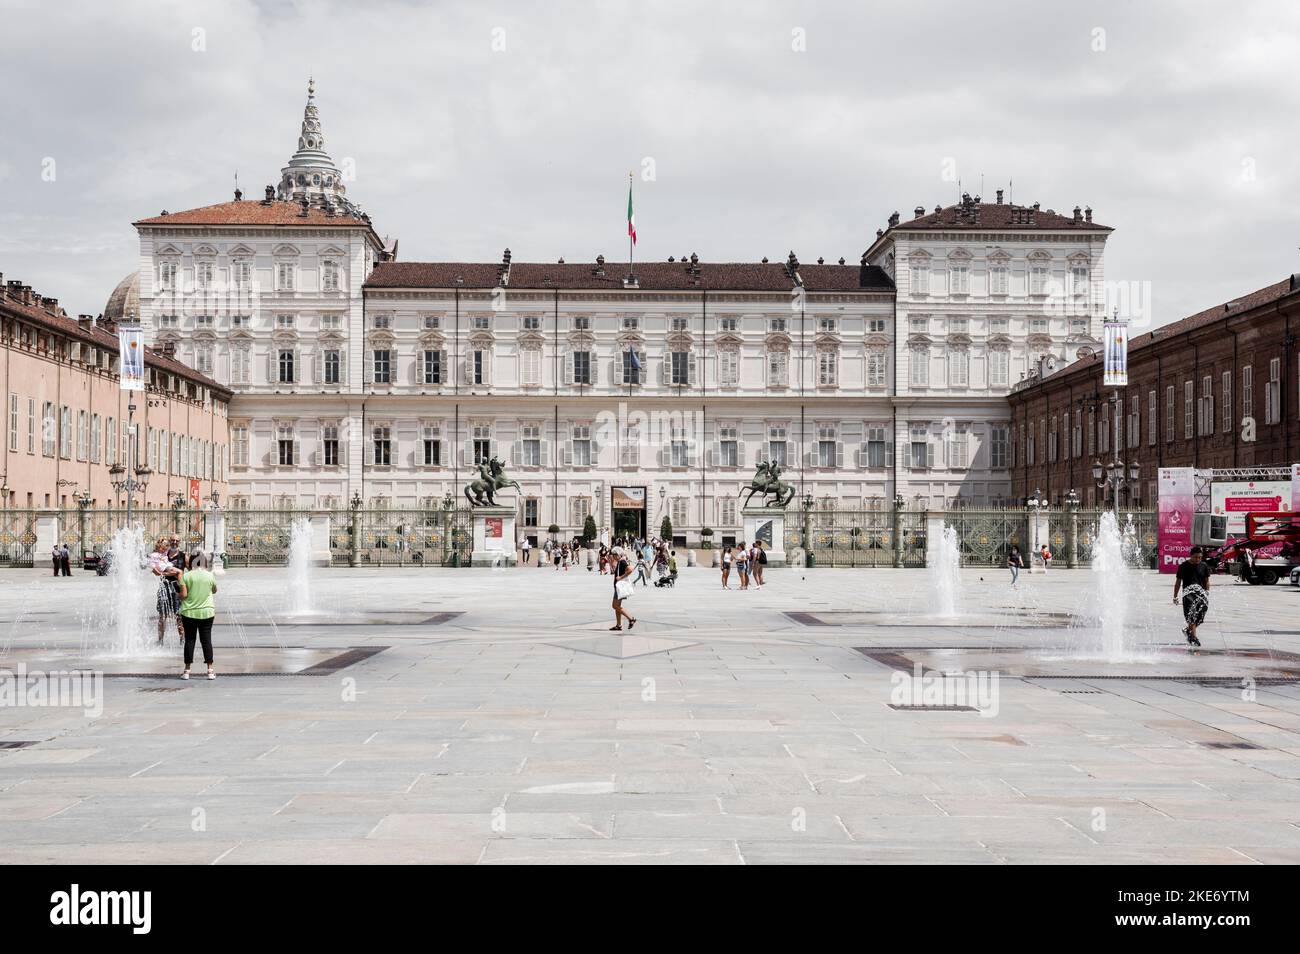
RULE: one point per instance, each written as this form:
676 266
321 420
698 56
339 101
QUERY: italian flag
631 221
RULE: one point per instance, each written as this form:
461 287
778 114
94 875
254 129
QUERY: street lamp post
810 560
663 508
83 504
1036 503
1114 475
355 505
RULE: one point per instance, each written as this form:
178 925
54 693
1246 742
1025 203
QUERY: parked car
1295 576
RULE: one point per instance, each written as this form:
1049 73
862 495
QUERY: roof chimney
239 196
1078 214
306 208
999 197
85 322
918 212
937 208
270 195
1087 214
893 220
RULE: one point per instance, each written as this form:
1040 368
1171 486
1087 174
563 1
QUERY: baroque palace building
626 398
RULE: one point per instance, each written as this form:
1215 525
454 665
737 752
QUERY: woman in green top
197 586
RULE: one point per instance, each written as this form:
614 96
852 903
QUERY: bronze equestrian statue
491 478
767 481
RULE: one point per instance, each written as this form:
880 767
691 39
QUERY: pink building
65 418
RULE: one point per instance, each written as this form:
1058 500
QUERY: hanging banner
1232 500
130 346
1115 354
1177 492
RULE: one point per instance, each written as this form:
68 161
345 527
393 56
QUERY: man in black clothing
1193 578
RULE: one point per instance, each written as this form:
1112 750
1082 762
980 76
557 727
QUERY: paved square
489 716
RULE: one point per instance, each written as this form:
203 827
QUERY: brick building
1216 389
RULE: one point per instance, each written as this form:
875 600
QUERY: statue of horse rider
491 478
767 481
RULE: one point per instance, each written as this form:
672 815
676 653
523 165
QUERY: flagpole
630 243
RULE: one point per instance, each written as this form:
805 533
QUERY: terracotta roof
1263 296
255 212
651 276
984 215
61 323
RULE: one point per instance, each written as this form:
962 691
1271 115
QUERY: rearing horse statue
492 477
767 481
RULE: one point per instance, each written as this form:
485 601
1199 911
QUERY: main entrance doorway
628 505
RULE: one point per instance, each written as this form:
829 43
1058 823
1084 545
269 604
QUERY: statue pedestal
494 537
767 525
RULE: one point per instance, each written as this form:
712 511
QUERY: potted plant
666 530
588 530
554 531
706 538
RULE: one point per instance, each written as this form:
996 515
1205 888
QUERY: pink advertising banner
1295 487
1177 496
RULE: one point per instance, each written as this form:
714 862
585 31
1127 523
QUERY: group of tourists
748 562
186 588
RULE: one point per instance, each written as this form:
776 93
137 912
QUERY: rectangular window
958 368
284 276
530 367
680 367
65 432
329 277
729 368
876 369
777 445
481 446
960 279
922 454
920 277
432 367
31 425
728 447
241 272
239 445
1227 402
284 445
240 364
1169 414
331 366
827 368
633 365
581 367
1153 431
203 274
530 446
1038 280
1189 401
13 421
919 368
329 445
1206 416
1079 280
999 367
877 446
826 445
478 367
110 441
999 440
1273 392
285 366
432 446
876 325
382 366
958 448
581 445
1247 392
998 279
778 369
381 437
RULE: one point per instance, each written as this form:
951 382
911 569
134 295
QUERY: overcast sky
768 126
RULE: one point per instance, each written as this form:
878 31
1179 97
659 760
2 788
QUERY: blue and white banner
1115 336
130 344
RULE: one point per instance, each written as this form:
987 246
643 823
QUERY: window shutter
272 372
568 367
839 455
370 366
929 453
544 453
690 368
764 452
297 452
666 369
369 453
492 447
594 365
568 453
297 368
487 367
516 453
715 454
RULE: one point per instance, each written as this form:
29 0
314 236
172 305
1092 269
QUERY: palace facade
653 393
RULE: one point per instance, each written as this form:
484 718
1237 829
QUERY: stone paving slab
723 731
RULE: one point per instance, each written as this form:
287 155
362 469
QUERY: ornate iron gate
18 538
261 537
856 537
986 536
433 537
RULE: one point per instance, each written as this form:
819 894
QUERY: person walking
1045 555
525 548
642 571
197 588
726 567
622 590
1193 578
1014 563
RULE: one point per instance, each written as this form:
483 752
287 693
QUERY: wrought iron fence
857 537
986 536
388 537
